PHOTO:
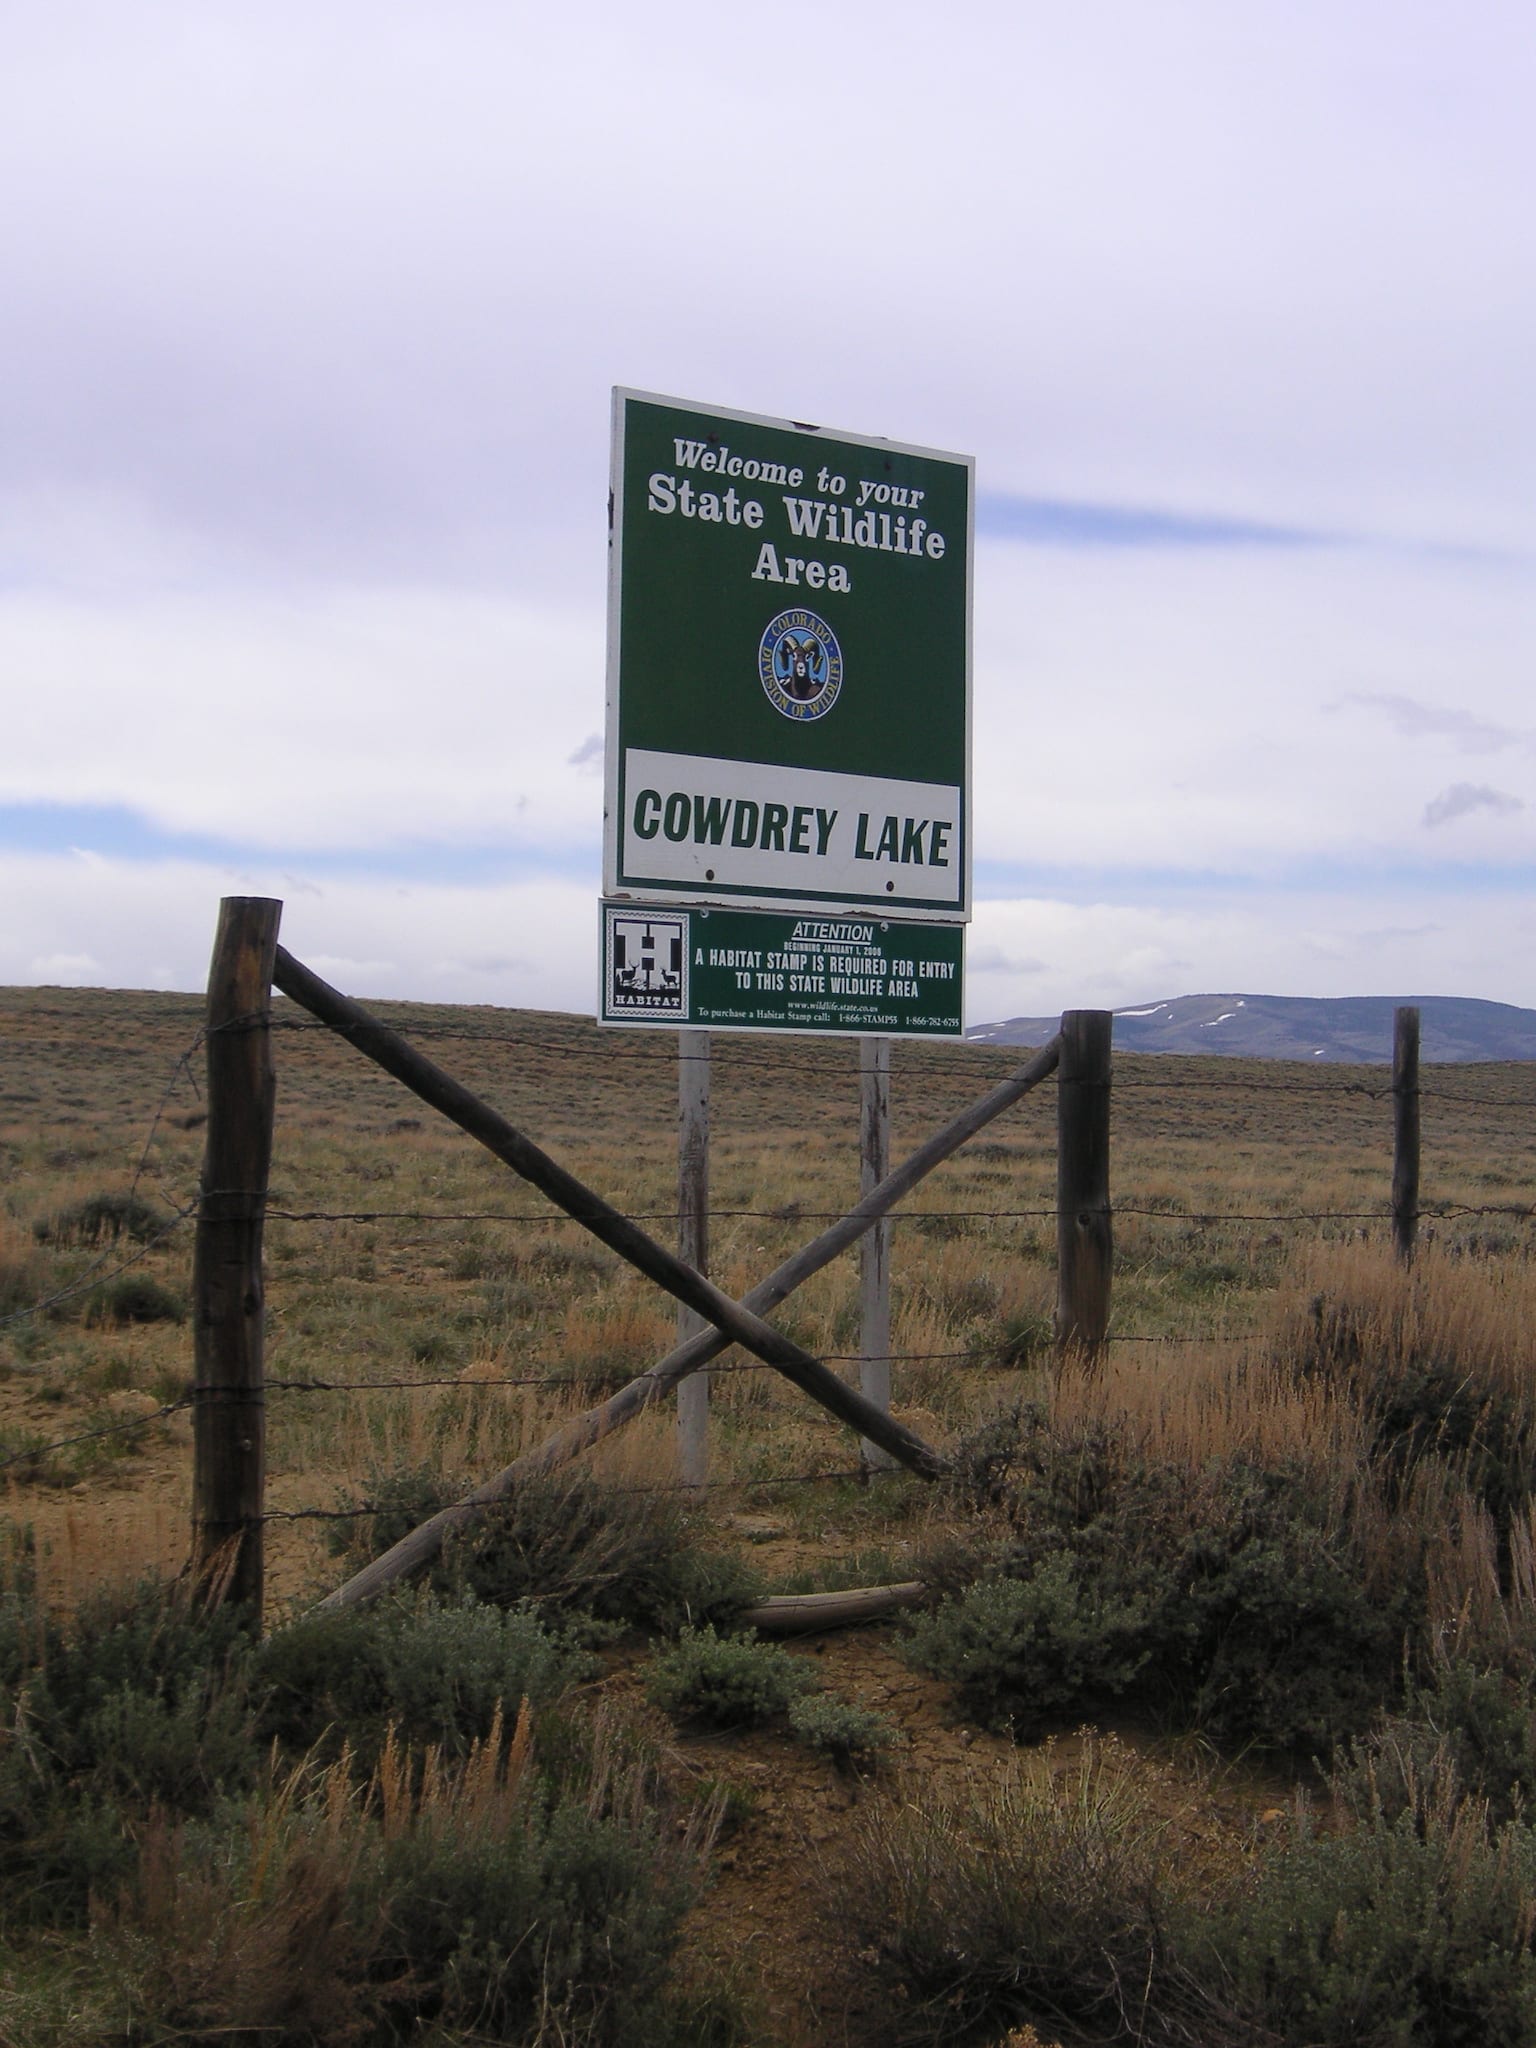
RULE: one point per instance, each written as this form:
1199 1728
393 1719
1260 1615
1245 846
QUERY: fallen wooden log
797 1614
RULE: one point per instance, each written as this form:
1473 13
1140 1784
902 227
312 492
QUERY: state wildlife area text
832 771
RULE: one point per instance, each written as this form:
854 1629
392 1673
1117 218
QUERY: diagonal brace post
421 1545
462 1106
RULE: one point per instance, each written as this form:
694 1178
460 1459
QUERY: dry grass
1038 1894
1195 1405
447 1312
254 1938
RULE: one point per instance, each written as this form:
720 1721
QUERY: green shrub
102 1219
1267 1631
853 1736
1021 1652
1427 1404
571 1262
1413 1932
1023 1337
481 1900
25 1452
1057 1898
570 1916
1469 1722
1243 1588
725 1681
395 1503
571 1545
140 1703
1196 1279
436 1670
135 1298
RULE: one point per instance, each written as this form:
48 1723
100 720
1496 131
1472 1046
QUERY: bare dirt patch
770 1920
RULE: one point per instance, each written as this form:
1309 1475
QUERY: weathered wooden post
228 1415
1084 1227
875 1249
1405 1127
693 1242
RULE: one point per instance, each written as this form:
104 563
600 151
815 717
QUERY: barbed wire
182 1066
973 1357
37 1452
92 1276
739 1054
837 1476
472 1381
1158 1210
733 1052
770 1055
101 1270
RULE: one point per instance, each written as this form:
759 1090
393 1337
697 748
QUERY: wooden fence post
1084 1229
875 1249
228 1416
692 1242
1405 1128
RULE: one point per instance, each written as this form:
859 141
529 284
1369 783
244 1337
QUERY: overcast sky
310 318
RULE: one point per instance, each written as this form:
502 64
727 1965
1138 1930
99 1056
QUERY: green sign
789 667
756 970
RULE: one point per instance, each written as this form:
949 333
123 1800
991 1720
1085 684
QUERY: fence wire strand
740 1059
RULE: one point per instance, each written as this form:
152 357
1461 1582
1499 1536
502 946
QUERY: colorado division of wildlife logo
801 665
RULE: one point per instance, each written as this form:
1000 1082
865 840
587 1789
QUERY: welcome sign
789 667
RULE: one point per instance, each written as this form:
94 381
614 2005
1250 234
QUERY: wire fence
114 1261
743 1055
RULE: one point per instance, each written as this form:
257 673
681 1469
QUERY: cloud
533 945
365 718
1463 798
993 960
1389 933
349 973
63 970
1414 720
1054 522
1350 940
589 755
131 923
500 964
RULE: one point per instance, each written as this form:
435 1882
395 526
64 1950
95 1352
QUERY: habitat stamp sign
744 970
645 967
789 653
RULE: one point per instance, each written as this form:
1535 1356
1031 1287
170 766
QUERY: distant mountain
1357 1029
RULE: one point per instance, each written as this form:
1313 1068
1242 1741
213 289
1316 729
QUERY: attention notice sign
789 668
780 971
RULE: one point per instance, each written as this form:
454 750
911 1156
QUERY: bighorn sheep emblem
800 665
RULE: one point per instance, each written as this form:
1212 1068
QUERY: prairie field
1238 1623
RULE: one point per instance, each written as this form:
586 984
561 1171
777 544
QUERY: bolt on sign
788 681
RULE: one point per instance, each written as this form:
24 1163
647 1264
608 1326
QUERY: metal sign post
693 1242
